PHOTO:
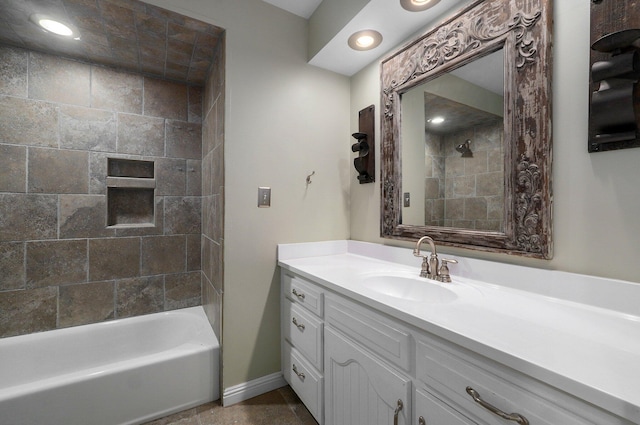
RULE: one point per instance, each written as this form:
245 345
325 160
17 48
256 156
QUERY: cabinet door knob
300 374
396 413
515 417
297 294
299 325
421 421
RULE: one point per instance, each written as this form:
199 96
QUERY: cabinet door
432 411
361 389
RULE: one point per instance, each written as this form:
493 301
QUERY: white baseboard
256 387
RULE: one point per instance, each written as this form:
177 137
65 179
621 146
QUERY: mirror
480 179
452 148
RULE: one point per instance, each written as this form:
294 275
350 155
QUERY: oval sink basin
409 288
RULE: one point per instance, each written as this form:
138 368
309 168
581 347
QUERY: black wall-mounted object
365 162
614 96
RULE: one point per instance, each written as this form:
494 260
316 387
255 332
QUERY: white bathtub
120 372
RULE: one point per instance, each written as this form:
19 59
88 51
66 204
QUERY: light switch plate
264 197
407 199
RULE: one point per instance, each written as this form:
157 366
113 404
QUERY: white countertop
583 338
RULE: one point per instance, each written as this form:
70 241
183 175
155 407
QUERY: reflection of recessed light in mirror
418 5
365 40
54 26
436 120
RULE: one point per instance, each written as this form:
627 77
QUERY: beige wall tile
140 135
171 177
28 122
114 258
58 171
195 104
13 71
12 266
183 215
194 246
183 290
163 254
23 312
86 303
165 99
83 216
59 80
28 217
87 129
115 90
53 263
13 168
183 139
137 296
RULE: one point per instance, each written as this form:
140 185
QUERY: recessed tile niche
130 193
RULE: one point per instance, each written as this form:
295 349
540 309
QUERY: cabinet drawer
380 334
304 293
304 331
304 380
435 412
450 372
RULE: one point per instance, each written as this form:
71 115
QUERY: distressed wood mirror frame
523 28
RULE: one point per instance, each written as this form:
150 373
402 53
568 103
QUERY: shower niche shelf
130 193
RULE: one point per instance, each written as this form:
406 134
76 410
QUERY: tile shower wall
465 192
213 191
60 264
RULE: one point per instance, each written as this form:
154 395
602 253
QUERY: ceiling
459 116
386 16
139 37
304 8
126 34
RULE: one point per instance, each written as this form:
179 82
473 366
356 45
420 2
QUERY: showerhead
465 149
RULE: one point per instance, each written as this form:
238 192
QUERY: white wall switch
264 197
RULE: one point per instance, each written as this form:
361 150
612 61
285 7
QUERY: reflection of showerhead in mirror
465 149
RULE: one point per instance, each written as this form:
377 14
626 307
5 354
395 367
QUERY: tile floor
281 407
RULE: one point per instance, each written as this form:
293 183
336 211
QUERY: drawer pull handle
299 325
396 413
300 374
421 421
297 294
515 417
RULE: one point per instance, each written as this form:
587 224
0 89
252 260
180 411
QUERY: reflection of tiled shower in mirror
466 190
464 152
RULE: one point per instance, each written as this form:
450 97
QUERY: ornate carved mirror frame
523 28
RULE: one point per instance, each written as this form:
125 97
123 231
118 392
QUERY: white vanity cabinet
353 364
302 309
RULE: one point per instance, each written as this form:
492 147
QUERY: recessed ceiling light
54 26
365 40
436 120
418 5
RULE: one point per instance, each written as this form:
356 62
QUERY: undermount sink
409 288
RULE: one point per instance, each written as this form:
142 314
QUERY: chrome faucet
430 266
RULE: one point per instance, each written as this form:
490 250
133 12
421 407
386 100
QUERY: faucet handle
443 273
424 270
